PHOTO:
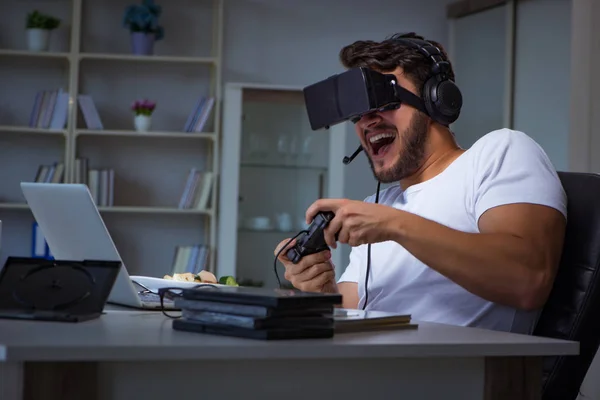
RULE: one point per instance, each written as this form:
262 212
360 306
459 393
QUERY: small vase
142 43
38 39
142 123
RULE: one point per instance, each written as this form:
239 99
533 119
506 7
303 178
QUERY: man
467 237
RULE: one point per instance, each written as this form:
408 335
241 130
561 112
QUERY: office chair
572 311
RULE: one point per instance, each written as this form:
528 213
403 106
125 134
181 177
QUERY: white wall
297 42
479 55
542 75
291 42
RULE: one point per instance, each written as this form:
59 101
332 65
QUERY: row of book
101 182
53 173
51 108
197 190
192 259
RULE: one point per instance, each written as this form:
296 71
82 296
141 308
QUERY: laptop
74 230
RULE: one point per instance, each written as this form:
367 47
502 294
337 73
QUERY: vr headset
359 91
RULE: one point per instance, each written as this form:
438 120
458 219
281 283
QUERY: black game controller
312 241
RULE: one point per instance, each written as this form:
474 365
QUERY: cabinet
273 167
91 54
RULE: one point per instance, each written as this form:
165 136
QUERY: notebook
346 320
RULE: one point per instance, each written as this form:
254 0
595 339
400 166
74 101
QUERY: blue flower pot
142 43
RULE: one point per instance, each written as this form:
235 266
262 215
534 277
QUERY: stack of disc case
257 313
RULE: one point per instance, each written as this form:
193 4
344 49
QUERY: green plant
144 18
38 20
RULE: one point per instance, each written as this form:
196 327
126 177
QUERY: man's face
395 140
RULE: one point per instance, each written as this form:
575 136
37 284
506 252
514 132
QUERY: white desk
137 355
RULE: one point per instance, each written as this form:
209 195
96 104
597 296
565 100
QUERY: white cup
284 222
259 223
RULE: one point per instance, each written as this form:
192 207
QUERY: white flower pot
142 123
38 39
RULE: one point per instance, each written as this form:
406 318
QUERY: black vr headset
352 94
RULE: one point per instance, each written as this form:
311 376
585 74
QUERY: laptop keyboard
153 298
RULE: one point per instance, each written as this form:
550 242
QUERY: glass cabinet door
282 167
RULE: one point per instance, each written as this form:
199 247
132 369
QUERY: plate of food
183 280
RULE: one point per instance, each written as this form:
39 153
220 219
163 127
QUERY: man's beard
411 153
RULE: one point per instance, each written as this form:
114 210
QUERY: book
347 320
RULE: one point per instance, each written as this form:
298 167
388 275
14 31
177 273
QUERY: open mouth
380 143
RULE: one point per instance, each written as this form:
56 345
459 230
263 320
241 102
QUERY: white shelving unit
89 54
273 164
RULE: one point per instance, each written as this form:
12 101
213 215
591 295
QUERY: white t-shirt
502 167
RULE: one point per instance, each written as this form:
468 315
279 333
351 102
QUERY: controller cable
347 160
369 254
279 252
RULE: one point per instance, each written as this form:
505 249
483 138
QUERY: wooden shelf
153 210
146 166
30 131
14 206
110 57
123 209
36 54
151 134
147 59
270 230
285 167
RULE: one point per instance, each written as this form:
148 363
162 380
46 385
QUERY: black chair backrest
572 311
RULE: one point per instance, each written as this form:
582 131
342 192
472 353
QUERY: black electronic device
360 91
313 240
258 313
273 298
299 332
248 322
250 310
55 290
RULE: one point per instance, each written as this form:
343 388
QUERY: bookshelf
90 54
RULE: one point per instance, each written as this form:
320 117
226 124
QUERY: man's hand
356 222
314 273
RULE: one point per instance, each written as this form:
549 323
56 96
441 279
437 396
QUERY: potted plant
39 26
142 21
143 110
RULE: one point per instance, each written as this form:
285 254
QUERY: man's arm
513 261
349 292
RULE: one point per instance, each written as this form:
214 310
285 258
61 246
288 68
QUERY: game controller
312 241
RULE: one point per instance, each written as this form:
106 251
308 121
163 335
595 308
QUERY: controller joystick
312 241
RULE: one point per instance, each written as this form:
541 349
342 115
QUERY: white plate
157 283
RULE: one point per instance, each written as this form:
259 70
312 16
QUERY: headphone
442 97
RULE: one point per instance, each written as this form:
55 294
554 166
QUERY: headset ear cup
448 101
443 100
428 94
430 99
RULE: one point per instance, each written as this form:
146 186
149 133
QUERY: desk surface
142 335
